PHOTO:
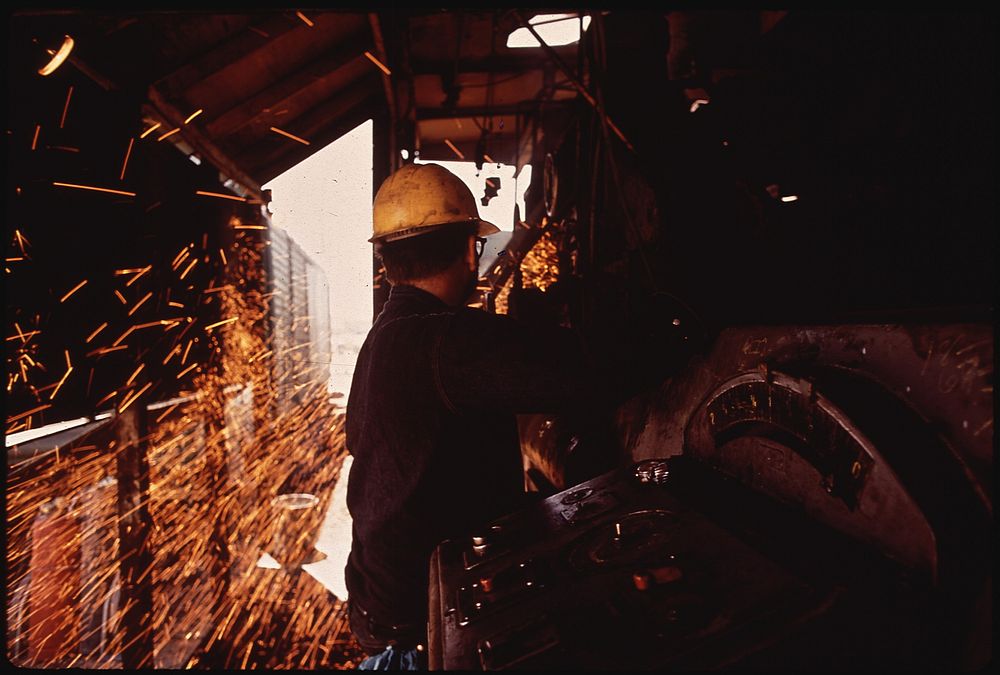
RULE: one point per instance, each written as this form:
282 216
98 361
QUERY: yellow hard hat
420 198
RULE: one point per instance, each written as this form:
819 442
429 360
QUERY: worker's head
426 224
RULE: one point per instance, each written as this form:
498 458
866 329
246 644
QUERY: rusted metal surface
135 528
942 371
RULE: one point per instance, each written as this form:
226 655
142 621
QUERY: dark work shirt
431 426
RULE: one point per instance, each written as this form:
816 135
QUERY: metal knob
654 471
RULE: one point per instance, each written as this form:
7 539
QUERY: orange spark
175 304
28 413
381 66
68 364
56 390
128 382
165 413
131 400
222 255
188 268
168 134
220 323
119 273
454 149
106 398
186 370
69 94
96 189
186 350
106 350
99 329
139 304
73 290
179 258
128 153
305 18
140 273
249 227
121 297
34 141
150 130
488 158
172 352
21 239
220 195
217 289
193 115
291 136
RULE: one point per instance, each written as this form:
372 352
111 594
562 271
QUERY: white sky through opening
325 204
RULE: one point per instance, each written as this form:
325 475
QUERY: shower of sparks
381 66
451 145
34 141
69 95
220 195
213 472
305 19
168 134
128 153
540 266
96 189
73 290
289 135
150 130
28 413
193 115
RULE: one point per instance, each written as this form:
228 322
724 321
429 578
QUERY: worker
431 413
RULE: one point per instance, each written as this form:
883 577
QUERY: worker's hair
425 254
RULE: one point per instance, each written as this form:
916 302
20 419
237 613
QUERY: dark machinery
801 497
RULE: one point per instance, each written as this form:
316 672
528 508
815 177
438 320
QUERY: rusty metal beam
387 86
202 144
272 150
312 75
572 80
230 51
135 530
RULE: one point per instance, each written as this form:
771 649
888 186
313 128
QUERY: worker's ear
470 254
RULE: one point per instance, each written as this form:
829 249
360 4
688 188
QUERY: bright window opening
499 208
325 204
554 29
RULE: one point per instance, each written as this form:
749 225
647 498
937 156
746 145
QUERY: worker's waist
384 631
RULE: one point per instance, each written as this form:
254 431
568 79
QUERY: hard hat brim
484 229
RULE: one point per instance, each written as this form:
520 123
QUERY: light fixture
555 29
57 56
